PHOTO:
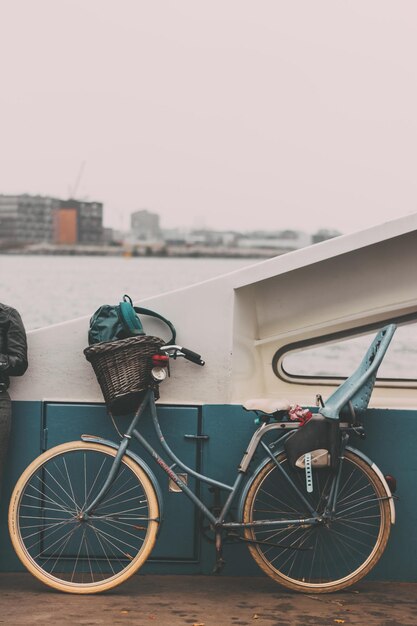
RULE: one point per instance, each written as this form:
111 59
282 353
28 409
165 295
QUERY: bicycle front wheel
61 547
327 556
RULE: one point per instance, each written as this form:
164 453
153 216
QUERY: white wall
238 321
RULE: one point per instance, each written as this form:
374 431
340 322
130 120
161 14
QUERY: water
51 289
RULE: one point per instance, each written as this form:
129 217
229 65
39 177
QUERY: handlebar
174 351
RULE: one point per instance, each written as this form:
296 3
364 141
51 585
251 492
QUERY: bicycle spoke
328 551
93 485
77 549
63 506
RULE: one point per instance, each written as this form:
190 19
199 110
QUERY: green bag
110 323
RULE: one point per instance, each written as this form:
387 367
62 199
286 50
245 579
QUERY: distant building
9 213
120 236
76 221
174 236
212 238
145 226
205 237
109 236
26 219
199 237
284 241
323 234
65 225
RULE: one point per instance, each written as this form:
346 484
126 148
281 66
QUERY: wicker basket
123 370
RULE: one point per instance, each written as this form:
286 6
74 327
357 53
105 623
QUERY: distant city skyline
26 220
230 115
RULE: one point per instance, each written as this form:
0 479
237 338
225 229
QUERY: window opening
339 357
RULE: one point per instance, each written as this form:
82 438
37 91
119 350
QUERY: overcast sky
227 114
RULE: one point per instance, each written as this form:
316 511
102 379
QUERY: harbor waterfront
192 250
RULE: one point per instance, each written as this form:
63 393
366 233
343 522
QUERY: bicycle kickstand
220 562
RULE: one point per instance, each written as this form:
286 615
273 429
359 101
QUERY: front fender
137 459
354 450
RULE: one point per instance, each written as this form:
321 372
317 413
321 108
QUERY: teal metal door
177 540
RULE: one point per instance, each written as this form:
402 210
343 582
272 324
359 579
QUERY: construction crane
73 190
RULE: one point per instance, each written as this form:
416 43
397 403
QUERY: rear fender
360 454
142 464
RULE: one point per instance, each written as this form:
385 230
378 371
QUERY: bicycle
84 516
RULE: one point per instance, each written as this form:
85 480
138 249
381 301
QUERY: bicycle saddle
267 405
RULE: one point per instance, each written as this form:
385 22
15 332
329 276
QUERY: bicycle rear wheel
324 557
49 533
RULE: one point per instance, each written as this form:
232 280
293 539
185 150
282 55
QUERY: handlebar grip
192 356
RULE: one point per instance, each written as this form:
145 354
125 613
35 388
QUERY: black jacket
13 345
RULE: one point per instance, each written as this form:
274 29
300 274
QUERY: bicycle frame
217 522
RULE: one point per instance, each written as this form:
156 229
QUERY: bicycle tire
75 555
326 557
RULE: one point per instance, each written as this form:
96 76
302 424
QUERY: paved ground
208 601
